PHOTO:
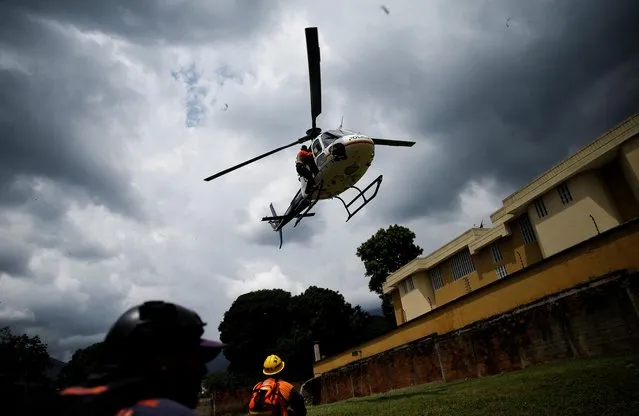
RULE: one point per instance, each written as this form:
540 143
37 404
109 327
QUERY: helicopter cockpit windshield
316 147
328 137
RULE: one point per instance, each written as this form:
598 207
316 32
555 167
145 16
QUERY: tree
325 315
319 315
24 361
384 253
252 327
225 381
84 362
268 322
366 326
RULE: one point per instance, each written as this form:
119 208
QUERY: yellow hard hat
273 365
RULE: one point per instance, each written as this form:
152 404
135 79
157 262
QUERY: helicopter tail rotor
278 221
275 221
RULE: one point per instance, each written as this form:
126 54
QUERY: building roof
581 160
434 258
603 147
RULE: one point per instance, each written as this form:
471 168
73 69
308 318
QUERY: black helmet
158 327
304 147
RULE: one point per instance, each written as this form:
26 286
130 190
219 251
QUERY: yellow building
594 190
574 223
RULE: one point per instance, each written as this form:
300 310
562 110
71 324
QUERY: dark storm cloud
14 258
159 22
46 118
508 102
61 102
46 111
57 321
101 313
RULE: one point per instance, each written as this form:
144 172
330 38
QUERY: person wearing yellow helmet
274 396
273 365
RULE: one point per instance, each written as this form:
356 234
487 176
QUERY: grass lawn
598 386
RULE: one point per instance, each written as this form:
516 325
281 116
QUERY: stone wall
597 318
229 402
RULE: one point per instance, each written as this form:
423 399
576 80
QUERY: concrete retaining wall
594 319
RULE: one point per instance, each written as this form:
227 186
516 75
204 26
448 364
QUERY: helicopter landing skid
377 182
311 204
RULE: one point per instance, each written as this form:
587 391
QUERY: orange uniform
303 156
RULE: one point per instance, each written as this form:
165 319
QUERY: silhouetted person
156 360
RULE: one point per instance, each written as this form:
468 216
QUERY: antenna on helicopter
341 123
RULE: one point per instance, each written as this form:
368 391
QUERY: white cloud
259 275
12 314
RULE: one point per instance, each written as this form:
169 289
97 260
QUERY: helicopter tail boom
276 220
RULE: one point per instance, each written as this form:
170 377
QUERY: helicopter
340 159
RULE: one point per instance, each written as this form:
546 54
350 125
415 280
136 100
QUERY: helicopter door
318 153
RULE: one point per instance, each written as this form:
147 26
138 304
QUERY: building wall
616 181
398 308
596 319
525 253
612 250
453 289
514 253
602 193
630 161
601 197
591 210
485 266
419 300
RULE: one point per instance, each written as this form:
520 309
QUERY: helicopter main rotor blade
262 156
315 79
388 142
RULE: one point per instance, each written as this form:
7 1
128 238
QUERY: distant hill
53 371
219 365
373 309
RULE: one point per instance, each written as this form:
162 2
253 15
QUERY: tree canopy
24 361
382 254
273 321
84 362
252 326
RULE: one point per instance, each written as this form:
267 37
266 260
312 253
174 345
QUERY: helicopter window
317 147
328 138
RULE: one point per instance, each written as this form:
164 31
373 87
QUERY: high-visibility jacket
302 156
273 397
116 399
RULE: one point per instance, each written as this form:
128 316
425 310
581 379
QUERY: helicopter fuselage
341 162
341 157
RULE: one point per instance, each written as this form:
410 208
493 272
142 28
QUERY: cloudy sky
112 113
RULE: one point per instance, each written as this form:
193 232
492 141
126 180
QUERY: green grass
598 386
